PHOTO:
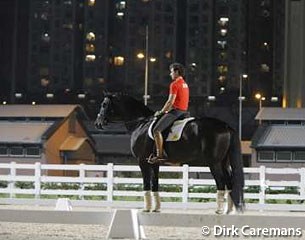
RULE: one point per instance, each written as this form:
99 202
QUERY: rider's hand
157 113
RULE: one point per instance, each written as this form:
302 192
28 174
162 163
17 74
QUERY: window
90 58
32 151
91 3
283 156
266 156
3 151
16 151
299 156
118 61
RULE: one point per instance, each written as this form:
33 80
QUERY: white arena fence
121 186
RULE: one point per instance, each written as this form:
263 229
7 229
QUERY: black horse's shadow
204 141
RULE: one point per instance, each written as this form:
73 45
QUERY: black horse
204 141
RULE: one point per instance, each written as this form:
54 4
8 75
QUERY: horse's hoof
219 212
145 210
229 212
156 211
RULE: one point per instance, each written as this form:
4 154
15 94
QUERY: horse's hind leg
155 188
218 174
146 175
228 179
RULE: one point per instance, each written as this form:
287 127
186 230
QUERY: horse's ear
106 93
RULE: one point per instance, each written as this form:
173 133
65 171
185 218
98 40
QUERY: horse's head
103 115
120 107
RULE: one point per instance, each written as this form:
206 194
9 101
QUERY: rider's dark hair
177 67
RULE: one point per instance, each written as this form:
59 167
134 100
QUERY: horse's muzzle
100 122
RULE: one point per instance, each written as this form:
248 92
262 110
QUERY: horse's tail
234 154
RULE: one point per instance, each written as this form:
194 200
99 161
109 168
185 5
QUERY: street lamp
260 98
240 98
146 68
148 59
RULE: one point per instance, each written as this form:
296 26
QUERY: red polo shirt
181 90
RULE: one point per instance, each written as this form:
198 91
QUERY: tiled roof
43 111
23 132
271 113
72 143
283 136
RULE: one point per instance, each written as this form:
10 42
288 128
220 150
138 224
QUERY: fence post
12 180
262 178
110 182
37 180
185 186
302 183
81 179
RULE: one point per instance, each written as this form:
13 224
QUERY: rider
175 107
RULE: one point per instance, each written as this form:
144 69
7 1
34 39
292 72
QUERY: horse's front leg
146 175
155 188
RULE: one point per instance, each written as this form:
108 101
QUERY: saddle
175 131
172 134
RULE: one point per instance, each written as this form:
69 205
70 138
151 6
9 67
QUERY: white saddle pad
175 131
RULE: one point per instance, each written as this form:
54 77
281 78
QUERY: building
294 74
147 30
50 134
266 30
279 140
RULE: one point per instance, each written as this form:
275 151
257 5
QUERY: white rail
121 185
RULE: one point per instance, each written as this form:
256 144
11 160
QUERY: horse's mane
135 106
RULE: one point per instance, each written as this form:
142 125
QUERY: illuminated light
222 89
211 98
299 103
284 102
222 78
140 55
45 37
265 67
274 99
168 54
90 58
244 75
193 64
33 103
152 59
243 98
223 32
120 14
258 96
263 98
90 36
118 61
90 47
4 102
265 44
91 3
81 95
50 95
224 19
222 44
18 95
67 90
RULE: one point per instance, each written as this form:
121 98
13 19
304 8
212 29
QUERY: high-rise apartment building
216 44
139 31
82 46
67 46
266 47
